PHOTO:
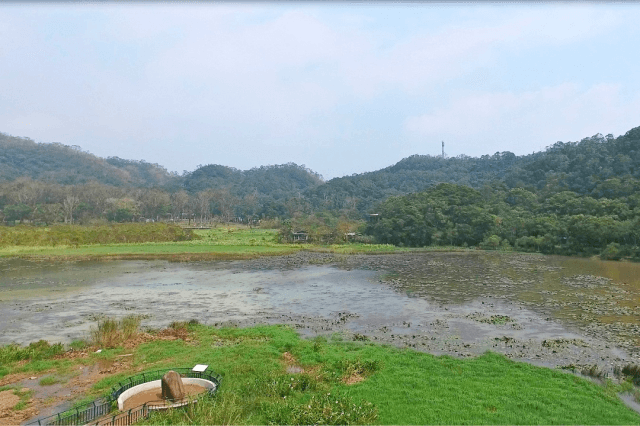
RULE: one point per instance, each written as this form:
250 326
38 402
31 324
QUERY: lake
547 310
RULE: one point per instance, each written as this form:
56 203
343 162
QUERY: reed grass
110 333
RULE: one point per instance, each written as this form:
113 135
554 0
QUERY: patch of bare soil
291 364
73 354
48 399
8 399
173 334
165 334
9 416
353 379
293 367
13 378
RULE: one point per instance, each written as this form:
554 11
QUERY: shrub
632 371
491 243
611 252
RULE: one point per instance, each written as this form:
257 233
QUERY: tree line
26 200
497 217
565 196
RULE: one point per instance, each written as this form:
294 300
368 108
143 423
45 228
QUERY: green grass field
231 242
351 382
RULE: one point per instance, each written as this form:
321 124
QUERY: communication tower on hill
443 154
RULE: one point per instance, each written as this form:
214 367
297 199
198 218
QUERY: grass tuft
48 381
321 409
78 345
34 351
110 333
358 367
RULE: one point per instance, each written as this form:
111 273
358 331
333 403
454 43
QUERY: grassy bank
271 376
76 235
223 242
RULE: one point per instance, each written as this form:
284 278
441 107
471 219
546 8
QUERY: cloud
525 121
435 55
118 79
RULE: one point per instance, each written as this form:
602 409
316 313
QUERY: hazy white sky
341 87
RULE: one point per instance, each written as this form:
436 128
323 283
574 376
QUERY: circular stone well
150 393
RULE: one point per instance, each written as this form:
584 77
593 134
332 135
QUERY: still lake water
542 309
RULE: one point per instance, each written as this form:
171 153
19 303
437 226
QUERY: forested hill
412 174
69 165
598 166
279 181
582 167
269 191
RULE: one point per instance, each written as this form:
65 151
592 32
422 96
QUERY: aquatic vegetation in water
632 371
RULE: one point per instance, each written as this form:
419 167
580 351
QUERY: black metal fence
96 411
79 415
126 418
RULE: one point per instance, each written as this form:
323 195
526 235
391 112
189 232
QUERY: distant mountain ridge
582 167
599 166
69 165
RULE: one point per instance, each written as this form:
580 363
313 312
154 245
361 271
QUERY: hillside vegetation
500 218
573 198
587 167
69 165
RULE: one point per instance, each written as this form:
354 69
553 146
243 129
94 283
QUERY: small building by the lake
300 236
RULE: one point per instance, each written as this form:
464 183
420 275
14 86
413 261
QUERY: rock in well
172 387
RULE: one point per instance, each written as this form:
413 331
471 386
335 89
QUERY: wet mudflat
546 310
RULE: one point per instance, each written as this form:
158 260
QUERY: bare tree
96 196
69 205
155 203
180 204
203 204
23 191
48 213
225 202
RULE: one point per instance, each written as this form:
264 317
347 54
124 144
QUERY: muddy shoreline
545 310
